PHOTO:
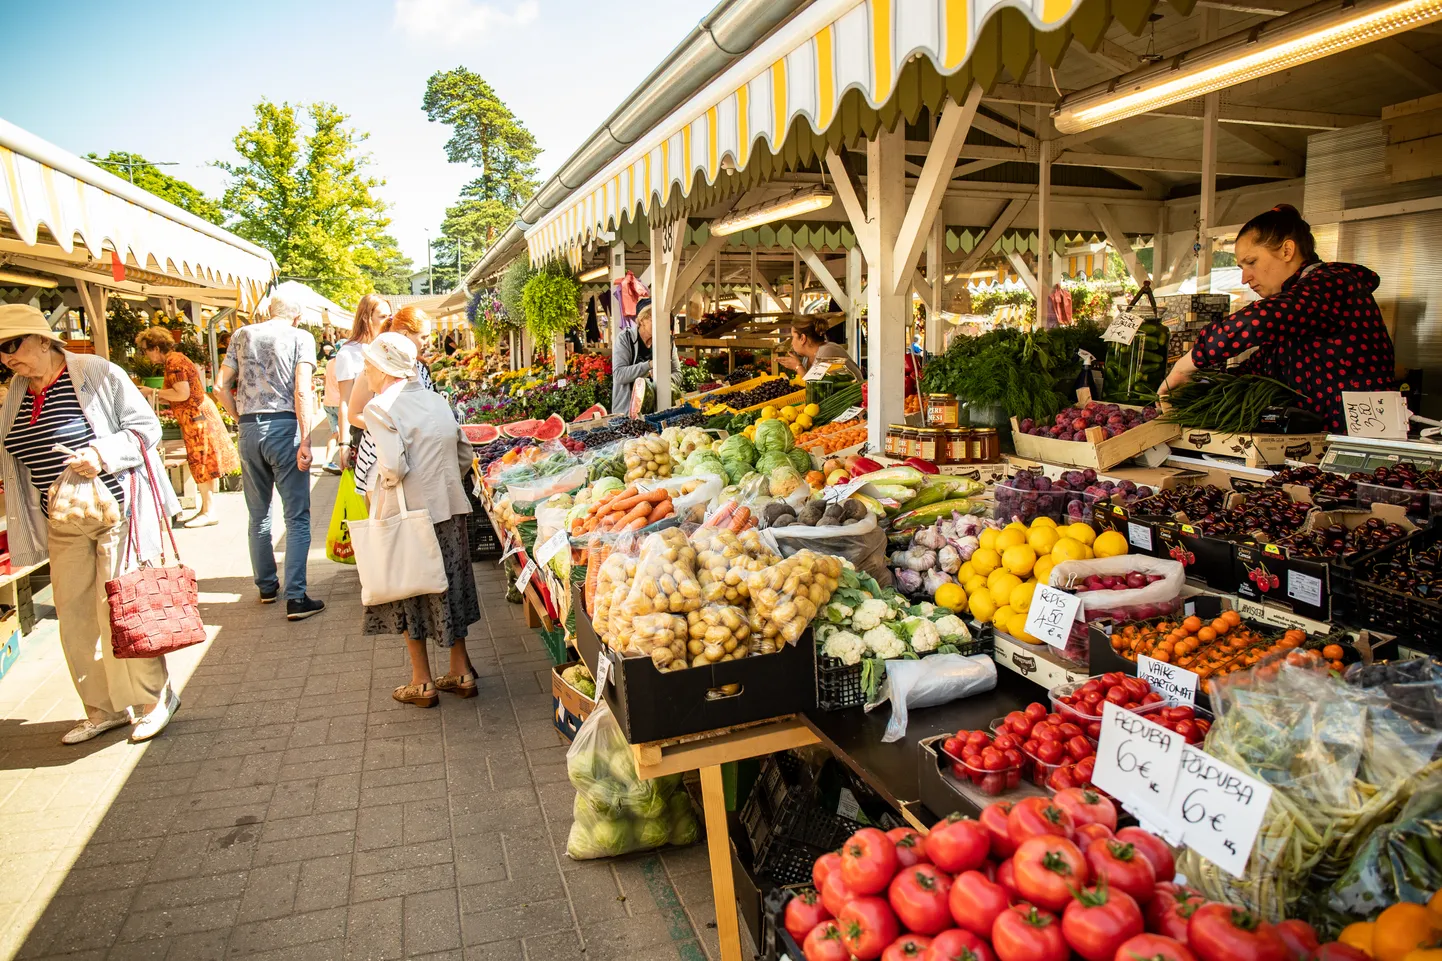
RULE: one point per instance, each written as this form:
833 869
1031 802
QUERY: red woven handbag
153 610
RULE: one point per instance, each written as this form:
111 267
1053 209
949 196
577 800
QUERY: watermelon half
552 428
594 412
481 433
520 428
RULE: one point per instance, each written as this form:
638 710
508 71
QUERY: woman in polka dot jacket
1316 328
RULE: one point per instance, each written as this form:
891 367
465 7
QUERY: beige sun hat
17 320
392 354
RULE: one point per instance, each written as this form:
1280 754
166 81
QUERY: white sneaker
88 728
154 722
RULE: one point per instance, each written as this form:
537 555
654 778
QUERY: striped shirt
365 455
61 421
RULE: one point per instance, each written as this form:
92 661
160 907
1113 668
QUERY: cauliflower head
871 613
953 628
845 647
923 633
884 643
836 612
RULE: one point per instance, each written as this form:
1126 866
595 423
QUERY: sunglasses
13 344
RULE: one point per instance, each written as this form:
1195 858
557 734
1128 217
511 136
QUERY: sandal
421 695
461 685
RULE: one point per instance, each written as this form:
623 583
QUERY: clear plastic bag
73 499
786 595
938 679
1153 600
643 457
610 572
863 543
690 496
615 811
1400 861
724 561
664 583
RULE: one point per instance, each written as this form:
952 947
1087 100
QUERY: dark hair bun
1279 225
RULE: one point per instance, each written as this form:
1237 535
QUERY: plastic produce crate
838 685
1417 619
788 832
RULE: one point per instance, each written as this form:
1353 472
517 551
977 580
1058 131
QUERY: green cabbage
612 837
784 480
773 436
770 461
736 469
738 447
704 462
800 459
684 830
653 833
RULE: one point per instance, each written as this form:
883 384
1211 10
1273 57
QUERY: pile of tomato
993 764
1039 880
1086 701
1184 721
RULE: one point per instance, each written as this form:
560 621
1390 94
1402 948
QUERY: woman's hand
86 462
790 362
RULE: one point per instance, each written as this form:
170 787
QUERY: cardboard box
652 706
569 707
1098 451
1143 535
1209 560
1257 450
1038 663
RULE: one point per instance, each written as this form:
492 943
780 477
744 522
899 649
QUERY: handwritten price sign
1124 329
1177 684
1052 614
1375 414
554 544
525 576
1137 763
1219 808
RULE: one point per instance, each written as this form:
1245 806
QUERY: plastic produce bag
349 506
664 584
1153 600
938 679
1401 861
786 596
863 543
616 812
687 493
73 499
724 561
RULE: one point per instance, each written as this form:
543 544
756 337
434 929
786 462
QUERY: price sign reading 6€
1137 762
1052 614
1219 808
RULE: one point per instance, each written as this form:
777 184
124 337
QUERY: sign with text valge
525 576
850 413
1137 763
1380 413
1219 808
840 492
1177 684
1052 614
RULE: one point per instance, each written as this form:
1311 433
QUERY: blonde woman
411 323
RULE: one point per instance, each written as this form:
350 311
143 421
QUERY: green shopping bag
349 506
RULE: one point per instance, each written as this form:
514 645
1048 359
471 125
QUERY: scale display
1348 454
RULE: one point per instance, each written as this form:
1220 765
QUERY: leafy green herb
1027 374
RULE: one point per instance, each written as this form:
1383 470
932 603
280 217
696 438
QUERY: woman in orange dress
208 449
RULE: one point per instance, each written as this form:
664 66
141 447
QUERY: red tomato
1023 933
1050 752
835 895
1006 877
1337 951
868 863
1123 867
1079 748
1221 932
908 947
804 912
1035 816
1153 947
952 746
1085 768
976 902
1170 908
1153 848
1099 921
958 844
824 943
867 926
1035 710
959 945
1048 869
1299 937
824 865
1018 722
910 846
1087 807
920 896
1047 732
1004 742
1087 833
1069 730
994 819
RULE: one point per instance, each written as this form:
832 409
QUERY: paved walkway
293 810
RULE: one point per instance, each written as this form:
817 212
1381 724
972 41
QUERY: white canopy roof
315 309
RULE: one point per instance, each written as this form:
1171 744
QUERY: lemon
1087 553
1081 533
788 412
1042 539
985 560
1016 627
1001 584
768 412
965 574
1019 559
1042 571
983 607
974 583
804 420
1010 537
1002 617
950 596
1043 521
1110 544
796 429
811 410
1020 597
1015 526
987 538
1068 549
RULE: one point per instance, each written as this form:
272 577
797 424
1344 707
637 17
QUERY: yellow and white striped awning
803 71
40 184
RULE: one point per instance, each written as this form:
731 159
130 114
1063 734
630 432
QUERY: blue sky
175 81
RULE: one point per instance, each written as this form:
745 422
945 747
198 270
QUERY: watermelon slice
553 428
520 428
594 412
481 433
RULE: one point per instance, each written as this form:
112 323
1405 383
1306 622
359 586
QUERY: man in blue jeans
265 385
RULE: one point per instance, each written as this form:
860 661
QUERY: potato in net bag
73 499
724 561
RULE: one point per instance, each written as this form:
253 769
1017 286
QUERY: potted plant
230 482
169 427
147 373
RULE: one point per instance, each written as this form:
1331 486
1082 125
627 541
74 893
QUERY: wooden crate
1255 450
1098 451
1414 139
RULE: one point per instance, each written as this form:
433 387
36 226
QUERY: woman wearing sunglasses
87 405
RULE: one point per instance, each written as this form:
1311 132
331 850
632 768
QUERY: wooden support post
558 354
1206 219
1159 247
854 303
886 300
666 272
617 273
718 845
825 277
1119 242
795 281
1044 276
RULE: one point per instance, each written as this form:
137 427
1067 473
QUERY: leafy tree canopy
302 191
145 175
485 134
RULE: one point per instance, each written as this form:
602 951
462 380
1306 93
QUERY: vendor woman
1317 327
809 345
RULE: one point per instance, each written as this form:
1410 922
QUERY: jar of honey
942 410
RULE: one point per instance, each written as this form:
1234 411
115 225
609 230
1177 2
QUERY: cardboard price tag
554 544
817 371
603 671
1052 614
514 549
1137 763
1375 414
1124 329
1177 684
1139 536
850 413
526 574
1219 808
839 492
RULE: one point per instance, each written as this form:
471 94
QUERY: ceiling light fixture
594 274
29 280
127 295
800 201
1308 34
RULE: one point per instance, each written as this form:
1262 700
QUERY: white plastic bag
1154 600
862 542
708 490
938 679
73 500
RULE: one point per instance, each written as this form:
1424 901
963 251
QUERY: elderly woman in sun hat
89 406
420 447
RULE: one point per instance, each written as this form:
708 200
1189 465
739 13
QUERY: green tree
302 191
145 175
469 229
485 134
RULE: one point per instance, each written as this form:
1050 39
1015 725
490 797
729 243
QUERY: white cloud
453 22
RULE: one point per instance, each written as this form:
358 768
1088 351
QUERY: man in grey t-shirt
265 384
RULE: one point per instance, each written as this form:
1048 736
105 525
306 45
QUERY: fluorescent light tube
798 202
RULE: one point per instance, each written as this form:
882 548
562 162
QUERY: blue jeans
267 458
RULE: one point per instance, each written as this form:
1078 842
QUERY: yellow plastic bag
349 506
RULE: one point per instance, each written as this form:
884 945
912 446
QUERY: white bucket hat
392 354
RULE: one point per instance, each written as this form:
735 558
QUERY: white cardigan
419 444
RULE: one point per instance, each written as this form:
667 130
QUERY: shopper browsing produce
1317 327
809 346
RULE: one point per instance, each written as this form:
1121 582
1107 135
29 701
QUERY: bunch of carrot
626 510
732 516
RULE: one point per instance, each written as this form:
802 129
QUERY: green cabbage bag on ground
616 812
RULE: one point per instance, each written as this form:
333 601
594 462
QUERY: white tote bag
397 555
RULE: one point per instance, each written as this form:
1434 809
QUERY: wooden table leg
718 840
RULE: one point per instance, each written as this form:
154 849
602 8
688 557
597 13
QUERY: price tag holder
1137 763
554 544
1219 808
1052 614
1304 587
839 492
1375 414
603 671
1177 684
1123 330
817 371
850 413
1139 536
526 574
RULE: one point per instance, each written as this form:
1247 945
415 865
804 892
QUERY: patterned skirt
443 618
209 451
